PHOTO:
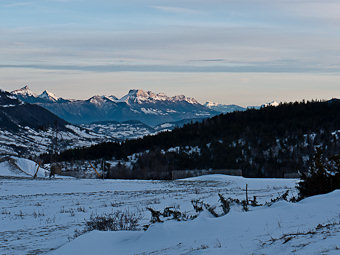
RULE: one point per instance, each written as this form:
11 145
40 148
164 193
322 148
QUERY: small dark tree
322 177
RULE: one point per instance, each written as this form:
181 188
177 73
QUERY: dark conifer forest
267 142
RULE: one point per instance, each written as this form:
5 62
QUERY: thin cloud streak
177 10
265 68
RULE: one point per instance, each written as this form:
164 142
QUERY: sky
244 52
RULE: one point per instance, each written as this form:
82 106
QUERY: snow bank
280 229
21 167
8 170
30 167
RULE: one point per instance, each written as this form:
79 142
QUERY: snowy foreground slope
308 227
38 216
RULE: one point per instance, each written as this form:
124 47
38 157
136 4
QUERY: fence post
247 194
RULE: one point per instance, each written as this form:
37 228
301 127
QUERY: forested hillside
267 142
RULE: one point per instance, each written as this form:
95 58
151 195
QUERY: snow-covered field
38 216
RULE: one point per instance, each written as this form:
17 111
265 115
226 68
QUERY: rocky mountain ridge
145 106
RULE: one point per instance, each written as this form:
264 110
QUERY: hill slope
27 129
14 115
269 142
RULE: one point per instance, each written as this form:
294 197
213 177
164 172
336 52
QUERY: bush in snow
198 205
169 213
117 221
282 197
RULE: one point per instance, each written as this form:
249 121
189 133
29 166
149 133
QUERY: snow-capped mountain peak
210 104
100 100
273 103
140 93
112 98
223 108
48 96
24 91
137 96
140 96
189 100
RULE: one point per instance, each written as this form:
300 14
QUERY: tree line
267 142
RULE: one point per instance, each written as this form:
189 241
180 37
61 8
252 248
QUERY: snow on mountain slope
140 96
30 141
24 91
224 108
310 226
8 100
100 100
14 115
49 96
27 129
112 98
273 103
25 94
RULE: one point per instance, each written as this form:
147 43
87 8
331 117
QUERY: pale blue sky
205 49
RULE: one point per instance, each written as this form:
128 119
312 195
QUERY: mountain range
145 106
28 121
28 129
150 108
15 115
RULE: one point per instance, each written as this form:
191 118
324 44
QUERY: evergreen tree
322 177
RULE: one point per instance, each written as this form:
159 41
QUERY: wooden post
247 194
36 172
94 169
103 167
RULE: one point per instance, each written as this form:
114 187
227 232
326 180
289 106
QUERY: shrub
169 213
116 221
